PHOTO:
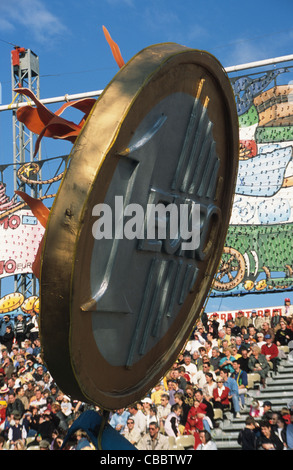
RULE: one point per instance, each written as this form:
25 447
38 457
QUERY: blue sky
74 56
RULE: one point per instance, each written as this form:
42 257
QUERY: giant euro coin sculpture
117 305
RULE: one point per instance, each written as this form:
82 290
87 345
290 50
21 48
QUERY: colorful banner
20 236
224 316
258 253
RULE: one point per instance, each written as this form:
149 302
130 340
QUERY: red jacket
224 396
271 351
2 415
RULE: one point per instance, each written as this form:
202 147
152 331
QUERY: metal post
25 73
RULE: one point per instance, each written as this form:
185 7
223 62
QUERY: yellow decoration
11 302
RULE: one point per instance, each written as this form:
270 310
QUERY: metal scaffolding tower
25 73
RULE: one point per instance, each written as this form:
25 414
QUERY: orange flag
114 48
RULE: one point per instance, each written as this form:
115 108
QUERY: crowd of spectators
209 379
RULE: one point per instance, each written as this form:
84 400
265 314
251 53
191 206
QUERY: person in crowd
139 418
215 359
241 320
209 386
275 320
172 421
179 398
119 418
256 409
6 321
280 430
270 351
221 395
232 385
267 330
244 359
200 377
242 381
195 343
16 430
227 361
194 422
206 442
248 437
289 432
268 439
164 409
190 367
260 340
253 319
173 387
154 439
130 433
14 405
20 328
287 309
258 364
8 338
283 335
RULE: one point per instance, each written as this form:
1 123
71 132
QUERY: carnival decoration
163 132
15 302
257 256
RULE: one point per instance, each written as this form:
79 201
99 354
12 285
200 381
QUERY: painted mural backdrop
258 253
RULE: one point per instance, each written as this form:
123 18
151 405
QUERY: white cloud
32 15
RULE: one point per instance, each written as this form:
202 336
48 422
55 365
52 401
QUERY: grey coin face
138 286
142 214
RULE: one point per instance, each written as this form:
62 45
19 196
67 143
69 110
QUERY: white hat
147 400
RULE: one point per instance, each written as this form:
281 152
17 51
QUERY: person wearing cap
267 317
195 343
259 321
241 320
267 409
287 309
253 318
214 323
270 351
